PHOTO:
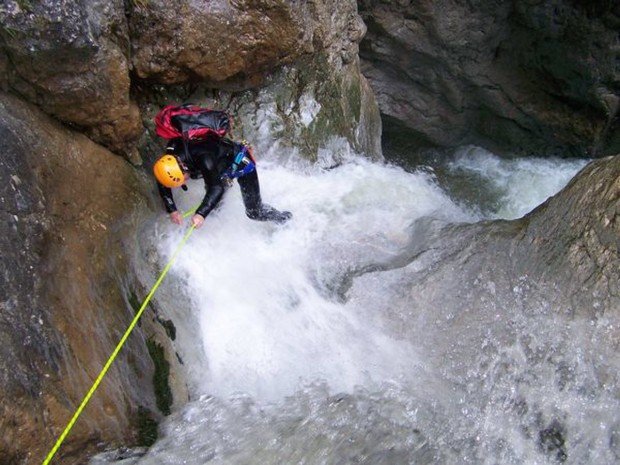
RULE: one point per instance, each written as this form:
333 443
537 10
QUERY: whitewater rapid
288 365
269 317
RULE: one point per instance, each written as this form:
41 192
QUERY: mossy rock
161 385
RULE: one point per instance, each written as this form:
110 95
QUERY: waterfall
266 295
299 356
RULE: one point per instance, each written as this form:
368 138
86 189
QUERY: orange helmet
168 172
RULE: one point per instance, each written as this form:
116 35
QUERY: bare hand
176 217
197 221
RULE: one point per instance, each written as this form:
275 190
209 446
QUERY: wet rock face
23 322
312 109
574 239
69 58
532 77
235 41
62 304
522 317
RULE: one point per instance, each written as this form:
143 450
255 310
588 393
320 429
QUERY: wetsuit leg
254 206
250 191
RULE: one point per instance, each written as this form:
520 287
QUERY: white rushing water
292 371
269 321
517 185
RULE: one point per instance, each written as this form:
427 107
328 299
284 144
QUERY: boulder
562 259
514 323
70 59
239 41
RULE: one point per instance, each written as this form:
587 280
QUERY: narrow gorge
447 291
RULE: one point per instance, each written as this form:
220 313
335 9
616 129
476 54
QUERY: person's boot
268 213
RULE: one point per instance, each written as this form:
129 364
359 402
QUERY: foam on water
518 184
269 323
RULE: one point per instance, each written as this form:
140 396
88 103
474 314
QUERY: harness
243 164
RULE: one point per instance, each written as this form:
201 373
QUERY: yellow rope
191 211
116 350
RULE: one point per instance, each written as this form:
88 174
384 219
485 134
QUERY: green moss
24 5
133 301
139 3
10 32
354 96
136 304
147 428
168 325
163 394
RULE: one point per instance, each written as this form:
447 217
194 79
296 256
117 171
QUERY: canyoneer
198 148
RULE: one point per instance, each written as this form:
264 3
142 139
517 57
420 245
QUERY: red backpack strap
163 123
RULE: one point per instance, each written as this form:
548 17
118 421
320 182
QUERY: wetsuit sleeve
213 185
166 195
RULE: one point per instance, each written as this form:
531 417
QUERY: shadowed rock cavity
515 77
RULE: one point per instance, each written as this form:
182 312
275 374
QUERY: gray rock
527 77
518 323
62 299
69 58
318 111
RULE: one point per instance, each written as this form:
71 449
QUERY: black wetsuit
210 159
